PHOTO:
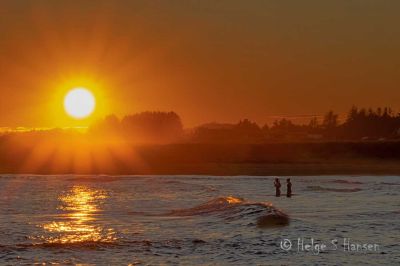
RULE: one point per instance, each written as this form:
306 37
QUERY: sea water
199 220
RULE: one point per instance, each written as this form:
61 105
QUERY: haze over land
156 143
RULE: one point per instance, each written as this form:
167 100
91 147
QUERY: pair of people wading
278 185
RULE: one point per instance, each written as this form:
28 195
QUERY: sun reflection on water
78 223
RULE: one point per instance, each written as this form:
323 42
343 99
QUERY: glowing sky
206 60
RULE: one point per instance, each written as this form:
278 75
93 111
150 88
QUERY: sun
79 103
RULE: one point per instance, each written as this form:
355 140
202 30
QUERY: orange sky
206 60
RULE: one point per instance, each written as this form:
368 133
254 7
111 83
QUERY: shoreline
377 168
283 169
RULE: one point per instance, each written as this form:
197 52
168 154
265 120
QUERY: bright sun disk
79 103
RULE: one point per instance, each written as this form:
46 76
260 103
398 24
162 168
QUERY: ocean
198 220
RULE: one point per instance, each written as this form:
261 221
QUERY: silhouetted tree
370 124
109 126
330 120
149 127
158 127
313 123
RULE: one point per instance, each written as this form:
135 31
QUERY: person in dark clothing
289 188
277 185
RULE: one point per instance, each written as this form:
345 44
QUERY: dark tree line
166 127
146 127
360 124
363 123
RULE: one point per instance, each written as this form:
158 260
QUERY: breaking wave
233 208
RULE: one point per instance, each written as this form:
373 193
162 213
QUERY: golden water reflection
81 205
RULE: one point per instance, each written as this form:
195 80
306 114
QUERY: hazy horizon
301 119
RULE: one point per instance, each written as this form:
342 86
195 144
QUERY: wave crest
234 208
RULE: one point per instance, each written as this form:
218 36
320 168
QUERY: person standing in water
277 185
289 188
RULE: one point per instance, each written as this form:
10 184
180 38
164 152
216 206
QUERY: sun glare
79 103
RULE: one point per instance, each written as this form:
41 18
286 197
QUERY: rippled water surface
108 220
